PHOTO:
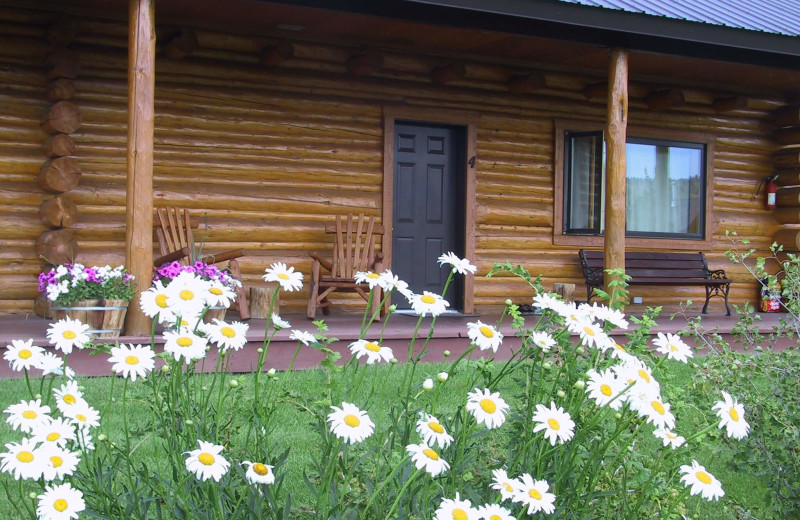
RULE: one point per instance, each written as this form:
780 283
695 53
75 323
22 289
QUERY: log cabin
519 132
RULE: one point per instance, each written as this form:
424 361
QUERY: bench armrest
717 274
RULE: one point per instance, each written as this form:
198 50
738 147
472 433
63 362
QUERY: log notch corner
787 176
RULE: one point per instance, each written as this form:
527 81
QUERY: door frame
468 120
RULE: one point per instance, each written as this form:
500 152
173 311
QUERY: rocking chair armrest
223 257
324 262
378 262
171 257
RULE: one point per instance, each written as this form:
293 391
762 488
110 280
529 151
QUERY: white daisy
83 416
428 303
731 414
455 509
432 431
604 388
132 361
227 336
368 277
701 481
488 408
50 363
219 294
206 462
258 473
619 352
612 316
23 460
58 431
484 336
504 484
67 396
534 494
669 438
68 333
185 344
592 335
635 372
154 303
556 423
545 300
59 462
350 423
459 265
672 346
186 294
304 337
389 281
574 318
22 355
427 458
543 340
27 416
280 323
374 351
655 411
288 279
494 512
60 502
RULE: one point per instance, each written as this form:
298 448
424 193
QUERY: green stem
400 493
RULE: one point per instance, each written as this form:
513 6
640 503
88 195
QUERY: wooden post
139 198
616 131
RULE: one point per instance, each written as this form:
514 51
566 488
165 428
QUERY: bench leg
717 291
727 308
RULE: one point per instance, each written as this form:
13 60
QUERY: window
666 185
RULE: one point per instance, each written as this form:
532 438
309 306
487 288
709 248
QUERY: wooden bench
649 268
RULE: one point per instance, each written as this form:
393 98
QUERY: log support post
139 198
616 132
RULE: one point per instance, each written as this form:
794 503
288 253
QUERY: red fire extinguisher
770 188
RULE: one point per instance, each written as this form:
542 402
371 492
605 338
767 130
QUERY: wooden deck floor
450 333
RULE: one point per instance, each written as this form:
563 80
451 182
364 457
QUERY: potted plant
97 295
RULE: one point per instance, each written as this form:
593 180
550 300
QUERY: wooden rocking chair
353 251
176 243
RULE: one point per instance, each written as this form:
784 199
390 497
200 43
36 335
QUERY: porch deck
449 334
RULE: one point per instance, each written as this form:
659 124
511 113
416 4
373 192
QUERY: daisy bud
260 350
618 416
630 449
580 385
580 350
233 383
204 388
37 396
102 437
427 385
442 376
509 303
188 422
165 369
271 372
446 353
393 361
113 399
392 308
547 365
32 495
561 393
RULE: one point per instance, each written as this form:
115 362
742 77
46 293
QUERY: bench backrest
642 265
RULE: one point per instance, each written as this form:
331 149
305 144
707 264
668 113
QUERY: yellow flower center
605 390
80 417
161 300
435 426
658 407
703 477
671 435
428 299
373 275
486 331
60 505
260 469
25 456
183 341
186 295
132 360
69 399
508 487
644 375
495 517
488 405
215 291
588 331
372 347
228 332
459 514
351 420
283 276
534 494
53 436
206 459
69 334
29 414
553 424
734 414
430 454
619 347
25 354
57 461
673 347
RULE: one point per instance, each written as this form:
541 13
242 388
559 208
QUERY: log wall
263 155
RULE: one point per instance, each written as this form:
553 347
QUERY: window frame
561 126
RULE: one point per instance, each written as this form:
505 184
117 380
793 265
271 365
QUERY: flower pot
104 317
215 312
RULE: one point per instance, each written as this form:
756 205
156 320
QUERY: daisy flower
451 509
672 346
432 431
22 355
258 473
60 502
426 458
427 385
389 281
619 352
27 416
83 416
153 302
206 462
669 438
487 407
186 294
279 323
556 423
655 411
306 338
547 301
288 279
368 277
636 373
494 512
612 316
504 484
57 431
219 295
428 302
574 318
374 351
484 336
534 494
543 340
731 414
459 265
50 363
592 335
68 333
701 482
68 396
184 344
24 460
227 336
132 361
350 423
604 387
59 462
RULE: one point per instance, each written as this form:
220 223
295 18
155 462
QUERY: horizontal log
449 72
729 103
57 247
789 237
788 158
59 145
180 44
63 63
59 175
787 177
789 135
58 212
365 63
787 215
787 116
62 117
665 99
527 83
63 31
60 89
274 55
593 91
788 197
